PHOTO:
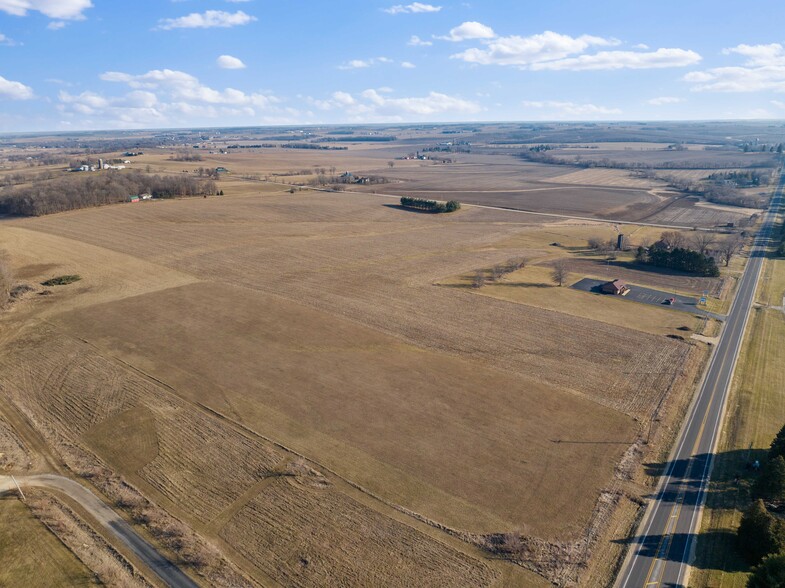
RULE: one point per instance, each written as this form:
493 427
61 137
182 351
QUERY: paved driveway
649 296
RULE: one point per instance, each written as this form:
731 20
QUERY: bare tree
391 164
478 281
730 247
6 279
595 243
520 262
497 272
702 241
673 239
560 272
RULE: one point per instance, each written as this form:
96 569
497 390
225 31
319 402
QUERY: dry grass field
211 341
30 555
314 536
618 178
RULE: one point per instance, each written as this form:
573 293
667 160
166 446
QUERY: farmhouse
616 287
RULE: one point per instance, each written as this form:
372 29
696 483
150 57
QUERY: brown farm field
292 375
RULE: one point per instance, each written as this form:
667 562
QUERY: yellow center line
676 508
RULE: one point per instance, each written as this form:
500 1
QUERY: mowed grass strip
31 556
534 285
756 411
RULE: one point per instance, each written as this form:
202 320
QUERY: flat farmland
605 177
350 255
212 340
520 185
687 212
294 514
206 471
666 158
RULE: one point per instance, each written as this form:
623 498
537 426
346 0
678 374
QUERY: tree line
430 205
761 534
85 190
679 258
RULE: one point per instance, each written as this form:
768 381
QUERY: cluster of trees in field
430 205
359 138
761 147
679 257
498 271
761 534
311 146
85 190
753 177
186 155
685 260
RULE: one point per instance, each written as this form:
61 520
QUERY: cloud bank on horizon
93 64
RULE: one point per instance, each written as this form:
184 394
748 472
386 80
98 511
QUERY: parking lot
648 296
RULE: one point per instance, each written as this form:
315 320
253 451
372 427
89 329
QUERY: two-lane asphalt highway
660 552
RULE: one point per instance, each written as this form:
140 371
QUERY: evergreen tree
757 534
769 574
771 483
778 445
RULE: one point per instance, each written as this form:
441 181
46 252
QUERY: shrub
62 280
770 573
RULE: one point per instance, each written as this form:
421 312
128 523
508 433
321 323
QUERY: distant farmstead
616 287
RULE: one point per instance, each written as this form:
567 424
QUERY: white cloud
763 70
525 51
14 90
166 98
414 7
206 20
554 109
554 51
373 105
178 85
229 62
416 41
759 55
662 100
364 63
469 30
56 25
6 40
660 58
62 9
407 65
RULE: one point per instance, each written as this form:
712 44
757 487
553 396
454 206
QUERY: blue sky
101 64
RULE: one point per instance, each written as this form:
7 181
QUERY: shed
616 287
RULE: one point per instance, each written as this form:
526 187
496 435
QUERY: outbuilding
616 287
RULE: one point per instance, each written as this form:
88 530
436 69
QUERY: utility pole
21 494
